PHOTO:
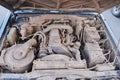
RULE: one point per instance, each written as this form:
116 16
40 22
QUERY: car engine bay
57 42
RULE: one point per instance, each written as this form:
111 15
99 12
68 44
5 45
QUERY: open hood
91 5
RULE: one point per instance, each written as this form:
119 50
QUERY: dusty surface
57 42
91 5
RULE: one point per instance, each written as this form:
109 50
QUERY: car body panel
67 5
47 7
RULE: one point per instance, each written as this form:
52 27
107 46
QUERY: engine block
58 42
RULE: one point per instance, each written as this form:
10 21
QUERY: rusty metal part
40 20
18 57
69 5
18 4
45 65
55 57
64 42
42 37
58 62
26 30
42 53
55 43
76 53
91 34
57 26
104 67
12 36
94 54
59 4
66 5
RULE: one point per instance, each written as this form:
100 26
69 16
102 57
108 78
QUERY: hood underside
91 5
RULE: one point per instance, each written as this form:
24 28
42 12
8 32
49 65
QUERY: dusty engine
48 42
